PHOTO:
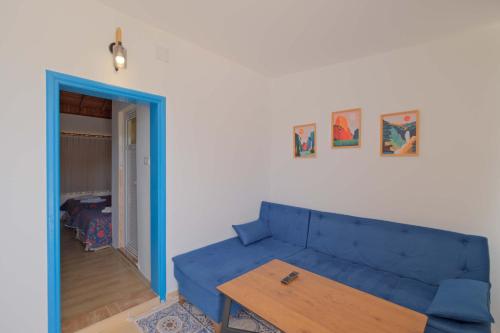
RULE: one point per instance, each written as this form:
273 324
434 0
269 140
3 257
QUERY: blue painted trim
54 83
53 250
157 188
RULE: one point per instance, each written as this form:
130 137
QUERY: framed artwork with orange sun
346 129
399 134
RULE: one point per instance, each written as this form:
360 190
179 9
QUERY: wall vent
162 54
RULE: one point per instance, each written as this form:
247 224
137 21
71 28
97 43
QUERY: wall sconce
118 51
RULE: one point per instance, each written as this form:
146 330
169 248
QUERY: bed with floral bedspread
73 207
93 228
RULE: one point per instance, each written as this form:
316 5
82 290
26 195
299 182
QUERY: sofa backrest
424 254
287 223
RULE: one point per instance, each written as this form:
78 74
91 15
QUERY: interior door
131 243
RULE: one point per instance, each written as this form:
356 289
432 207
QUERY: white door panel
131 240
143 188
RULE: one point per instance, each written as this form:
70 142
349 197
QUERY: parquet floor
96 285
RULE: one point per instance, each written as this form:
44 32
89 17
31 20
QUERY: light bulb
120 60
119 56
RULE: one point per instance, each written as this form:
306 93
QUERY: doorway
55 82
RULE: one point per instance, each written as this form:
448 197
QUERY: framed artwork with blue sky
304 141
399 134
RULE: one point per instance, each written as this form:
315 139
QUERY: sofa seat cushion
429 329
215 264
409 293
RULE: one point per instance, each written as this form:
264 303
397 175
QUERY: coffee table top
315 304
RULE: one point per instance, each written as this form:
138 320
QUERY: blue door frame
55 83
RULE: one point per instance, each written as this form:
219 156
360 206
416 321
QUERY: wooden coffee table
314 304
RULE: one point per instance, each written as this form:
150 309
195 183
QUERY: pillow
462 300
252 232
93 200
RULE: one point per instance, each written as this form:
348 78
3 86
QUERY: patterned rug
186 318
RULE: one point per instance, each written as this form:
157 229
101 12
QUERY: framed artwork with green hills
304 141
399 134
346 129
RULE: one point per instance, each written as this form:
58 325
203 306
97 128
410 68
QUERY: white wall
143 194
454 184
81 124
216 168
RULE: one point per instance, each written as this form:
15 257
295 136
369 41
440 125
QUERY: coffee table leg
225 319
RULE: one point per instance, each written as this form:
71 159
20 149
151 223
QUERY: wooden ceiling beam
83 105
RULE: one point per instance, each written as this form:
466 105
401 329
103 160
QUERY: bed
92 226
73 206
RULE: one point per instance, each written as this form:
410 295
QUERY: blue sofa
400 263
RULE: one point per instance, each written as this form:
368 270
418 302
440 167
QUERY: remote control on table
290 277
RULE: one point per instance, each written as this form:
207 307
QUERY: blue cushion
410 293
287 223
462 299
252 232
425 254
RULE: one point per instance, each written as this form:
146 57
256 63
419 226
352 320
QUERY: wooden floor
124 322
96 285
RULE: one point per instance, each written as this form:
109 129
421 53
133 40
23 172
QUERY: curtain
85 164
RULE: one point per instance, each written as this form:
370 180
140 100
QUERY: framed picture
346 129
399 134
304 141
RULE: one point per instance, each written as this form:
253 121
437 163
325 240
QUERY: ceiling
83 105
276 37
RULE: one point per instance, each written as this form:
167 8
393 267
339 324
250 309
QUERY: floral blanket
74 206
94 228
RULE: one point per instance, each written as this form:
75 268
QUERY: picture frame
304 141
400 133
346 128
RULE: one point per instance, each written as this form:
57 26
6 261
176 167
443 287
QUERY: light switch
146 160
